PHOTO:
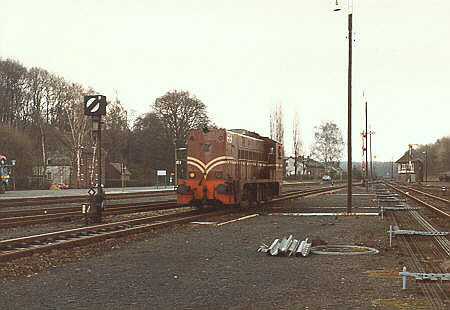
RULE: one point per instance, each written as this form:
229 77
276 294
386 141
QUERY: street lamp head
337 8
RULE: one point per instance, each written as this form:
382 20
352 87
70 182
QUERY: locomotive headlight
192 175
221 189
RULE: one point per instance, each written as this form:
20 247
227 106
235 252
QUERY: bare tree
12 82
116 132
329 144
73 107
276 123
180 113
37 82
297 143
145 157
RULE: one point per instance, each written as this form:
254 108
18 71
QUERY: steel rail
430 292
23 246
424 193
433 208
33 201
304 193
43 201
441 240
54 214
36 216
438 292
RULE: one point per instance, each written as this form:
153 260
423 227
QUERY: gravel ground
217 267
72 223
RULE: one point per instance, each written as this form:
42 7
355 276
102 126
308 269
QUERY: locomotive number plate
229 139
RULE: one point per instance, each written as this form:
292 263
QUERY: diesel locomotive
230 167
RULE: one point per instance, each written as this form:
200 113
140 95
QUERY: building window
49 176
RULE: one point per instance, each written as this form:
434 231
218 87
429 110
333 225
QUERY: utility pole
349 120
122 176
349 107
392 168
175 182
426 164
295 164
371 159
367 166
370 133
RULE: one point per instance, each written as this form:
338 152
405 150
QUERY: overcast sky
242 57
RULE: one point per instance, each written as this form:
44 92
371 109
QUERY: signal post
95 106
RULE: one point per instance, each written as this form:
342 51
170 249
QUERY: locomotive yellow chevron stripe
206 168
196 162
193 163
217 163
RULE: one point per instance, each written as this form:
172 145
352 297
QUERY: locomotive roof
249 134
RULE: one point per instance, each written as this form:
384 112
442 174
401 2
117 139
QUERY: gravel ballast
218 267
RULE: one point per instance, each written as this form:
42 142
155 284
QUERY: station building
410 166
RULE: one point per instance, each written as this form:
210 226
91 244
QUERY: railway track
429 223
304 193
45 215
426 256
444 203
420 251
22 246
439 206
20 202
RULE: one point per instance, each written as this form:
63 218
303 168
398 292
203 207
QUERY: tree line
437 155
41 114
